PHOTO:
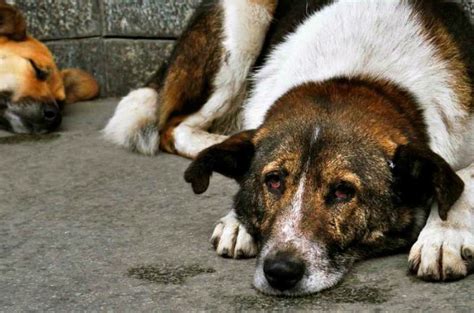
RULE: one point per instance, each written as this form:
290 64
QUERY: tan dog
32 89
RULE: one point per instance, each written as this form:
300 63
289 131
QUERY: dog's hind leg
244 26
206 75
445 249
177 89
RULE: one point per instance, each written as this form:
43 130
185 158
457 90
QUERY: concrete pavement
86 226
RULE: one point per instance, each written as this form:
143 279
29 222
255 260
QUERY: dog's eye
41 74
340 193
275 182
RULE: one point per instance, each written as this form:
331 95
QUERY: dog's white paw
445 249
442 253
134 124
231 239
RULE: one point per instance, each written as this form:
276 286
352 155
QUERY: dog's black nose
52 116
283 271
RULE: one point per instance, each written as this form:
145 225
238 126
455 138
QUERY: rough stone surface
87 54
52 19
119 65
129 64
468 6
148 18
86 226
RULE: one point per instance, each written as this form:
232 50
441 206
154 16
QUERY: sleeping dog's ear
12 22
420 174
79 85
230 158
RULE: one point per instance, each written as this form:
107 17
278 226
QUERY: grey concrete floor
86 226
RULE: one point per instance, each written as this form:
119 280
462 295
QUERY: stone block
147 18
53 19
130 63
119 65
86 54
468 6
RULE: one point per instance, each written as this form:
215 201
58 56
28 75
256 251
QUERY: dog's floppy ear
79 85
12 22
420 174
230 158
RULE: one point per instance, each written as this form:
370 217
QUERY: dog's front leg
231 239
445 249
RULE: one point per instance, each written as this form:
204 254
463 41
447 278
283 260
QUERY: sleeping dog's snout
283 271
29 116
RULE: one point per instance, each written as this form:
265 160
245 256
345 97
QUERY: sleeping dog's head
333 175
32 89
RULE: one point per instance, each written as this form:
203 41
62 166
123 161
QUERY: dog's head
32 89
322 186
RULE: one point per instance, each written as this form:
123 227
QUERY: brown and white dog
32 89
358 133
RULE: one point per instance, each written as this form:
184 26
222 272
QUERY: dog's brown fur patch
270 5
166 134
188 81
448 48
79 85
379 104
12 22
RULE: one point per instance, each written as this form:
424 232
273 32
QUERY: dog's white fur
231 239
8 81
16 123
446 248
128 126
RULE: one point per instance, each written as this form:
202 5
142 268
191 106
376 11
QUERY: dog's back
401 42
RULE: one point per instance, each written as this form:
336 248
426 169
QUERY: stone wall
121 41
469 8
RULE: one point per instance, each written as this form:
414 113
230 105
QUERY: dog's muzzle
28 115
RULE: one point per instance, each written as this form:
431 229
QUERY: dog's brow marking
297 202
315 137
290 228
